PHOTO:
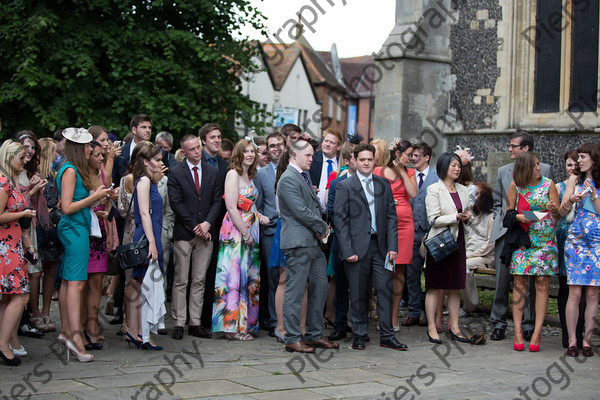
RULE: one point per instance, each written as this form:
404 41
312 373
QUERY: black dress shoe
198 331
359 342
367 338
498 334
393 343
118 319
272 332
177 333
527 335
337 335
162 331
432 340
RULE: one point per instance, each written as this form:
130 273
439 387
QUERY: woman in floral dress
14 280
235 309
582 247
530 191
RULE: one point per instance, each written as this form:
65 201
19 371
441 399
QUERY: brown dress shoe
323 343
411 321
423 322
198 331
299 347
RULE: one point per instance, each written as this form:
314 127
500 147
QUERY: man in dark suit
210 136
301 228
341 281
367 229
325 162
265 204
426 176
195 195
520 142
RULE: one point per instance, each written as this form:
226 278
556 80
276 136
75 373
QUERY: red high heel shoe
535 347
518 346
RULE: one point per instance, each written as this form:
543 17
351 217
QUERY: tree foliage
82 62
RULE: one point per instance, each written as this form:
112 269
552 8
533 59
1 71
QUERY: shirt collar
362 177
191 166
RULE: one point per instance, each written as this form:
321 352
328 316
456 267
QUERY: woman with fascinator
404 188
74 184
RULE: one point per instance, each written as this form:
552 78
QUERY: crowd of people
286 234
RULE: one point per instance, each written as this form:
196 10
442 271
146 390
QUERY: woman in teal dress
531 191
235 309
582 247
73 184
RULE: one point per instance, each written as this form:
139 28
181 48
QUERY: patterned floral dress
13 270
582 248
237 282
542 257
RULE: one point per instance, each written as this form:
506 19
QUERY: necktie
329 167
421 179
371 200
197 179
212 162
305 176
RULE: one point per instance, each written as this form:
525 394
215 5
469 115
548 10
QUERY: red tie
196 179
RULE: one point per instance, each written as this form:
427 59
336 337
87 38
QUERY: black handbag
441 245
135 254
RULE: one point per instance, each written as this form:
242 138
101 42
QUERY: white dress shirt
191 167
324 177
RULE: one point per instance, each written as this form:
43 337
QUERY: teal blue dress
74 232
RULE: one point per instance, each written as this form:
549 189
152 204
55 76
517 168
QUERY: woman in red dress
404 187
14 280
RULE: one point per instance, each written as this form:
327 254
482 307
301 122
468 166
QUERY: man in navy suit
195 195
210 136
341 281
426 176
325 162
141 129
265 204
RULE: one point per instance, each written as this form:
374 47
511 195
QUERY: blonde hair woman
382 155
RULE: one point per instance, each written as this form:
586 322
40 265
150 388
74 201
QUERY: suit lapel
358 189
188 175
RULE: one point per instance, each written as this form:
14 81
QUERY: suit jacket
191 207
418 203
353 218
316 168
441 208
300 211
121 164
331 197
503 181
222 167
265 201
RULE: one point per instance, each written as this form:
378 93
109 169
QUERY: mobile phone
30 257
112 185
118 143
586 190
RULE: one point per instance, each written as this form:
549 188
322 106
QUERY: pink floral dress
13 269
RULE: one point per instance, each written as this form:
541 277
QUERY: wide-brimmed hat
77 135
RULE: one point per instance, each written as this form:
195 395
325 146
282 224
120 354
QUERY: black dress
451 272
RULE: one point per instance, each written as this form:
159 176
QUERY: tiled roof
354 69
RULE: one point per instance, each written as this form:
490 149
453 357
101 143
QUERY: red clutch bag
244 203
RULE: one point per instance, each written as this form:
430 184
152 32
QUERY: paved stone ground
219 369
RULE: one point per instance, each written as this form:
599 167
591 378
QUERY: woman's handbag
133 255
441 245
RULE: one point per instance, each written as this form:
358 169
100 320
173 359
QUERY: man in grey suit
520 142
367 230
426 176
301 228
265 203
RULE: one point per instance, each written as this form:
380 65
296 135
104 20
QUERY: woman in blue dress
582 247
147 170
74 185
